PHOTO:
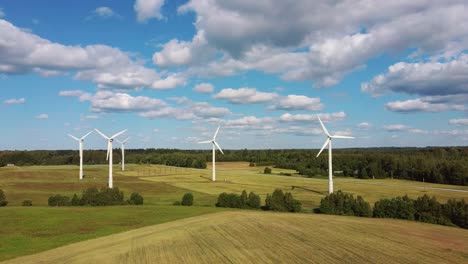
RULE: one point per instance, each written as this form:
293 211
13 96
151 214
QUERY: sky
389 73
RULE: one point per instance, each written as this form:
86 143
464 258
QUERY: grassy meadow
245 237
27 230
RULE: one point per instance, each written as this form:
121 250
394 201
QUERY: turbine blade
123 142
121 132
100 133
109 146
86 135
216 133
75 138
323 147
204 142
338 136
323 126
216 144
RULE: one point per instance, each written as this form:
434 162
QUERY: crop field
28 230
259 237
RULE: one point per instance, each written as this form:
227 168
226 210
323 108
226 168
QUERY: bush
252 164
3 201
399 207
27 203
253 201
75 201
230 200
457 212
341 203
187 200
106 196
58 200
243 199
428 210
267 170
278 201
135 199
176 203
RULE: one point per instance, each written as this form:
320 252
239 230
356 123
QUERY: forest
447 165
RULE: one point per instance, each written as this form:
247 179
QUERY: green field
259 237
27 230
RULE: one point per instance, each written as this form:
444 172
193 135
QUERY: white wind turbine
214 143
122 147
329 143
109 152
81 141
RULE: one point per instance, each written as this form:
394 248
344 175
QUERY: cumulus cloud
245 96
103 12
459 122
203 88
421 105
299 118
297 102
319 41
42 116
105 101
148 9
248 121
76 93
15 101
23 52
364 125
396 128
430 79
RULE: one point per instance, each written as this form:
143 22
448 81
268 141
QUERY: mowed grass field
26 230
265 237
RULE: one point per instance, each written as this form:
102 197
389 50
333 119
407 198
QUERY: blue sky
387 73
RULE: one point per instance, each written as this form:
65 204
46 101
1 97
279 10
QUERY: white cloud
76 93
15 101
23 52
104 11
420 105
203 88
170 82
147 9
396 128
364 125
42 116
308 45
299 118
105 101
248 121
89 117
459 122
432 78
417 131
169 112
245 96
297 102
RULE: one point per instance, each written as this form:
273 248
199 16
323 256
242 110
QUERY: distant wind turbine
81 141
109 152
329 143
214 143
122 147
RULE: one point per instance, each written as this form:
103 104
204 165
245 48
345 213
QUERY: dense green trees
341 203
282 202
243 201
424 209
94 197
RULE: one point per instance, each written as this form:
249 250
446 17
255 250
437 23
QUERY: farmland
34 229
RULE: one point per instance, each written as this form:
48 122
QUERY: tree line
447 165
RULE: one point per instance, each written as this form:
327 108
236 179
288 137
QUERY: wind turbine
329 143
109 151
214 143
81 140
122 147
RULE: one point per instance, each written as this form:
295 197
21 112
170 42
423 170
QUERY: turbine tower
214 143
329 143
81 141
109 152
122 147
